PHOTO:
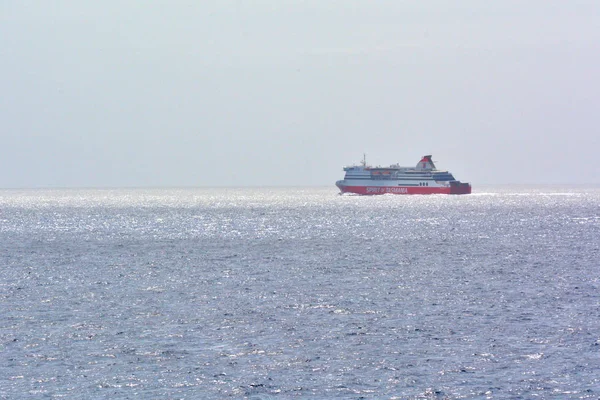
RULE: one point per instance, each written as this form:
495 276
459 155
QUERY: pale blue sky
271 92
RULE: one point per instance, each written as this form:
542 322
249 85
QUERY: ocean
275 293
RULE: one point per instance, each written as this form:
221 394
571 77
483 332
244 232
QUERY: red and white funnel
426 163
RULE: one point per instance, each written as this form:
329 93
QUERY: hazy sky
276 92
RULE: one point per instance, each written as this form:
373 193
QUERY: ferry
424 178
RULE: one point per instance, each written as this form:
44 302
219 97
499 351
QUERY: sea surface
277 293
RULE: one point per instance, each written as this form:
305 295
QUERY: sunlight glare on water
299 292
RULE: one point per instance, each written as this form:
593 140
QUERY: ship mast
364 160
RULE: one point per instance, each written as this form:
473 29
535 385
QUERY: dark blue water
283 293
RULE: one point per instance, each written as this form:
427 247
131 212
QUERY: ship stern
458 187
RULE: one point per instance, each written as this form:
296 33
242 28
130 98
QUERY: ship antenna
364 161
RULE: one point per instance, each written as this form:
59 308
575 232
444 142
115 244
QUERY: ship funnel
426 163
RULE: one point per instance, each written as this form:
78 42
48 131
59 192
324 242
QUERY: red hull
374 190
